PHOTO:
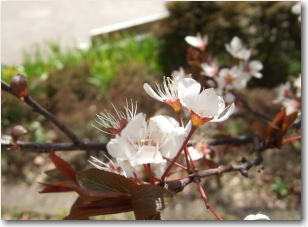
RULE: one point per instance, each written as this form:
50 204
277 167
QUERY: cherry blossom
237 50
206 106
210 70
144 143
232 78
115 122
252 68
197 41
171 90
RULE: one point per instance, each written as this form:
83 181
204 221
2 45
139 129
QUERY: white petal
188 85
225 114
256 217
173 142
127 168
244 54
236 43
149 90
256 65
120 149
194 41
207 103
146 155
160 125
257 75
221 105
194 153
159 169
136 129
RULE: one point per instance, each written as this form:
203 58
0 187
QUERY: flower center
229 79
175 104
247 69
197 120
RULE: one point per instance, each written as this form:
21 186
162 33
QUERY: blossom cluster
227 78
137 141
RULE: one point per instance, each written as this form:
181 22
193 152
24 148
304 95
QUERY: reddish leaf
288 121
262 131
148 200
93 195
57 187
82 210
96 179
63 167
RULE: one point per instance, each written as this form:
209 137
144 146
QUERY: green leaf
96 179
148 201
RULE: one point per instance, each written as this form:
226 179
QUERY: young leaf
96 179
63 167
82 210
93 195
57 187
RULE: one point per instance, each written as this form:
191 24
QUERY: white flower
252 68
205 106
237 50
232 78
171 90
143 143
291 105
256 217
210 69
199 151
284 91
114 123
179 74
197 41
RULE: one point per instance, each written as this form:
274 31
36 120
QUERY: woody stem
204 197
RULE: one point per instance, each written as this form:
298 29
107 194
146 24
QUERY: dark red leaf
82 210
57 187
148 200
96 179
93 195
63 167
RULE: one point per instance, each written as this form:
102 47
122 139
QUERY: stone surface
26 24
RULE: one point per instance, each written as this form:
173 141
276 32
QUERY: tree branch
177 186
46 147
41 110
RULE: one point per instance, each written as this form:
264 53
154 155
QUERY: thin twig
46 147
41 110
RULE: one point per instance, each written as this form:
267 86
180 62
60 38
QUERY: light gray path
26 23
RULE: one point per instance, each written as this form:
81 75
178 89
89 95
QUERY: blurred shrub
270 28
102 58
74 84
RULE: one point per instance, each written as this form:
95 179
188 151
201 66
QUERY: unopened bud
18 131
19 85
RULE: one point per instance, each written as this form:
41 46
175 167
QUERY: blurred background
79 57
